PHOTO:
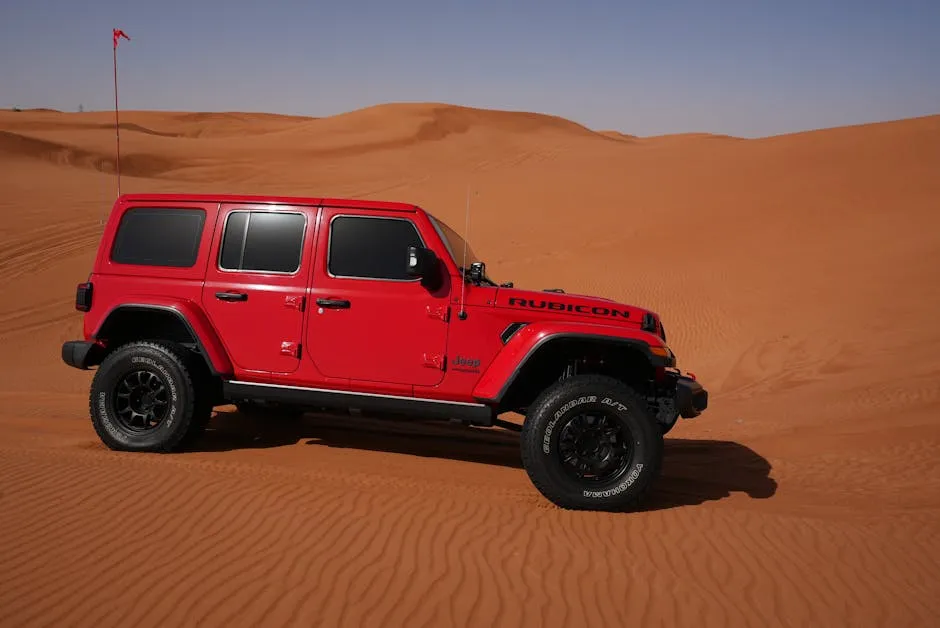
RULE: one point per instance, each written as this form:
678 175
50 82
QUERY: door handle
333 303
231 296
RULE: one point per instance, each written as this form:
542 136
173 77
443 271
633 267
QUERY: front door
256 282
368 320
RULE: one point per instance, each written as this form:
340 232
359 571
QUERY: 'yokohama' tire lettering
627 483
105 418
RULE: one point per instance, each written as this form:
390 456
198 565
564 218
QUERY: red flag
118 33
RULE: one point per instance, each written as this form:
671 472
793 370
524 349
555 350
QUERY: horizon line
601 131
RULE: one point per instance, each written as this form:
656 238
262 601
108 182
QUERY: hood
562 304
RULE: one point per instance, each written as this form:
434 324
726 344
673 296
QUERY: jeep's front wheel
588 443
143 398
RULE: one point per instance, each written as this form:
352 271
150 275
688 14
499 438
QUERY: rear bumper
79 353
691 397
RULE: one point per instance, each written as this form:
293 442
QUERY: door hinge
434 361
439 311
290 348
295 301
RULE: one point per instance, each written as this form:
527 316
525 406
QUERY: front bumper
79 353
691 397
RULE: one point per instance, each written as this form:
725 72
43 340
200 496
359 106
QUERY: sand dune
15 146
797 276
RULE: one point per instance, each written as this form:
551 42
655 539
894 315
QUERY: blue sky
744 67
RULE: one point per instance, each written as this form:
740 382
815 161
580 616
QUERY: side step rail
474 413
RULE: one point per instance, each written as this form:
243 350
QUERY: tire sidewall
645 437
116 367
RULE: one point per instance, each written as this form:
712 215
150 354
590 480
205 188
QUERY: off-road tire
578 399
187 408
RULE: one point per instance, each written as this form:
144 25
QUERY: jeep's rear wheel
588 443
143 398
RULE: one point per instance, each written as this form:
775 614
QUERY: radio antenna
463 269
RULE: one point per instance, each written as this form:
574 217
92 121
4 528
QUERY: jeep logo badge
467 363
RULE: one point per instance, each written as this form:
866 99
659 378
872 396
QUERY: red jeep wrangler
308 303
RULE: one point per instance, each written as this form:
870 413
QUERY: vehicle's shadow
432 439
697 471
694 471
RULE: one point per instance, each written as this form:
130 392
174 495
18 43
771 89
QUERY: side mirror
477 271
421 261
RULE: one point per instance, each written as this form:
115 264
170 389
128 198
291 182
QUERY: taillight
83 296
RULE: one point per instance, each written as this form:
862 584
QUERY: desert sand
798 277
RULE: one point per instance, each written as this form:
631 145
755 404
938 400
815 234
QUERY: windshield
455 246
454 243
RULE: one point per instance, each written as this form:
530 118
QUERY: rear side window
158 236
369 247
262 241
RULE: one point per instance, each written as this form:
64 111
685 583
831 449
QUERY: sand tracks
16 146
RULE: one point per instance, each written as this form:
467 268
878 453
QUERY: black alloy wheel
595 448
141 401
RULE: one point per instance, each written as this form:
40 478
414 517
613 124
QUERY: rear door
368 320
256 283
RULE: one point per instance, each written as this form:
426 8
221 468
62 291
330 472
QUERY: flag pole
116 34
117 123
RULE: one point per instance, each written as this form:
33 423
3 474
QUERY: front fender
192 316
504 368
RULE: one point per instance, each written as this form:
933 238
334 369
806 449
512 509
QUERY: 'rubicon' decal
557 306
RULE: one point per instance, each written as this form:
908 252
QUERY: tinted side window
262 241
153 236
370 247
233 241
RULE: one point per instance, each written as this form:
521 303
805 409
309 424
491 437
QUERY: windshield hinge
441 312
